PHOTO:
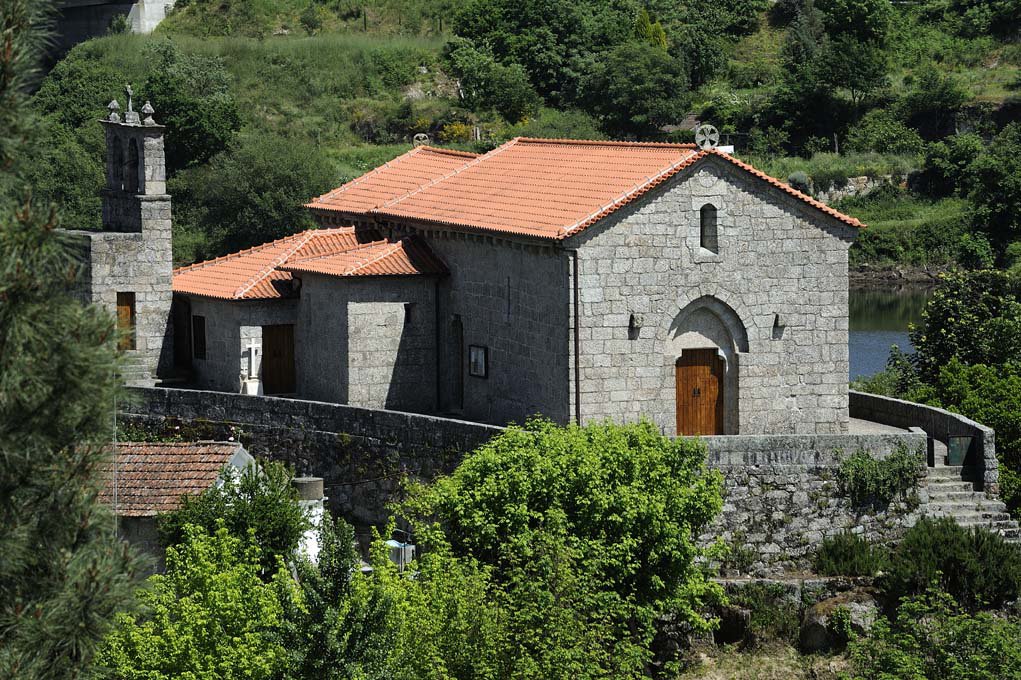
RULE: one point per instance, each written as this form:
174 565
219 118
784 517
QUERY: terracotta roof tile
549 188
253 274
152 478
396 178
383 258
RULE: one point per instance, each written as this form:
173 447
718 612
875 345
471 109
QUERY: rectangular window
198 337
126 321
478 361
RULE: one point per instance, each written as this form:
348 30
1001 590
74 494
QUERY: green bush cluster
977 566
868 480
930 637
848 554
549 552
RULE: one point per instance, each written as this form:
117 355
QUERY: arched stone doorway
705 343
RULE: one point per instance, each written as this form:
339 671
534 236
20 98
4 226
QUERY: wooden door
126 321
278 359
699 392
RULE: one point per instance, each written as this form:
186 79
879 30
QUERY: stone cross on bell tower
136 174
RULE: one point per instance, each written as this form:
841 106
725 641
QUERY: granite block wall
231 326
369 343
781 497
511 298
774 298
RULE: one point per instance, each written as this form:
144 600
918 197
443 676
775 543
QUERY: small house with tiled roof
145 479
579 280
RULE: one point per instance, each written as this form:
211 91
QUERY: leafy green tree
849 64
865 21
487 83
638 88
931 103
947 167
63 571
209 617
650 31
590 534
881 132
442 622
975 317
930 637
248 195
259 500
192 97
996 189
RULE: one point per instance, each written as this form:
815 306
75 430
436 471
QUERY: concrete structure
79 20
576 280
127 267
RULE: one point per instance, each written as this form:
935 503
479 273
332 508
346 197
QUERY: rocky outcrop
826 625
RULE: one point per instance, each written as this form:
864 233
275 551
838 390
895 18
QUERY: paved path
859 426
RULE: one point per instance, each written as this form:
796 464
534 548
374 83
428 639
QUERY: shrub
931 638
879 131
775 613
210 616
261 502
867 480
800 181
589 532
847 554
977 567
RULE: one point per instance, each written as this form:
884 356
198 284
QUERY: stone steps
949 495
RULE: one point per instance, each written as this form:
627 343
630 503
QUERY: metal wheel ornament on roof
420 139
707 137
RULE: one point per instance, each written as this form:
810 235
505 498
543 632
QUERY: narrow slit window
198 337
708 230
126 321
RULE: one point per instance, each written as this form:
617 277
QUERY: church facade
576 280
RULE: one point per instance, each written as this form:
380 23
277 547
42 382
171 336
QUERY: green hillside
270 102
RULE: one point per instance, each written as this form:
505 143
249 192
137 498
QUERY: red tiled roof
381 258
152 478
390 180
550 188
253 274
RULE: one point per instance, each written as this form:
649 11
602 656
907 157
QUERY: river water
879 320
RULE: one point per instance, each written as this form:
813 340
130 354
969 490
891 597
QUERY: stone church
579 280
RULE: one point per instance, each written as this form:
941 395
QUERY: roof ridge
604 142
394 247
229 256
478 159
449 152
321 256
623 198
273 265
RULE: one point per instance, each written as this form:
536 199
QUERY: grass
828 169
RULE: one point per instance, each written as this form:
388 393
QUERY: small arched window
708 231
117 165
131 172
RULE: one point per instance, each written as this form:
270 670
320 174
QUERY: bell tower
127 267
136 173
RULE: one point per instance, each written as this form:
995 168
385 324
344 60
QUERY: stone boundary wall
360 453
782 498
781 492
938 424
